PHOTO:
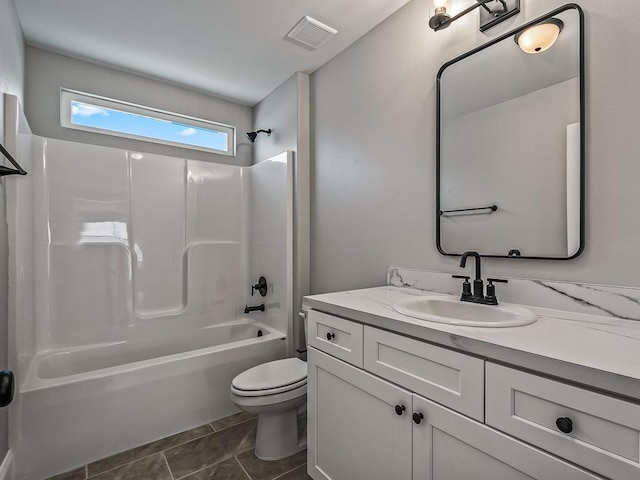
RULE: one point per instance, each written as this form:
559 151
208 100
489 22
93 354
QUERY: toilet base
279 435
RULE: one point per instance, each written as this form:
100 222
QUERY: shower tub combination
131 275
86 404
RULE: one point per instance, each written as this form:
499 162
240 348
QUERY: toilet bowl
276 392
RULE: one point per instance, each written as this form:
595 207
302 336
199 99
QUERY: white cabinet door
354 431
449 446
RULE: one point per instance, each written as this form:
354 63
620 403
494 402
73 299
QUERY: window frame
67 96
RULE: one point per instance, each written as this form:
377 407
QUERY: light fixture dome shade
540 37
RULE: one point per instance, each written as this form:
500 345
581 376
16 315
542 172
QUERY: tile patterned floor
221 450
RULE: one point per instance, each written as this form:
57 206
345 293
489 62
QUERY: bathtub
77 406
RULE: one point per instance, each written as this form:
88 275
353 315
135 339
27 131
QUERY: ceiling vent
311 32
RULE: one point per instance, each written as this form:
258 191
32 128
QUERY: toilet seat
271 378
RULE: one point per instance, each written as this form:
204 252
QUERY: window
83 111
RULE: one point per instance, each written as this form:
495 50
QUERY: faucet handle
261 287
466 286
491 290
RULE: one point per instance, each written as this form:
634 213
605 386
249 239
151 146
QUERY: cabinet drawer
604 432
447 377
336 336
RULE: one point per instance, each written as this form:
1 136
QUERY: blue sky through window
84 114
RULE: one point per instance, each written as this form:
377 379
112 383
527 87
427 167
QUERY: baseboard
6 468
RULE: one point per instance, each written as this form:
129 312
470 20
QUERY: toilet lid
272 375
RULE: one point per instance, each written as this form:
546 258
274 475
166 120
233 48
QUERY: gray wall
46 72
514 154
373 112
286 112
11 81
279 112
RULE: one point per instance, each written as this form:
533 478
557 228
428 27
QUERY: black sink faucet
478 287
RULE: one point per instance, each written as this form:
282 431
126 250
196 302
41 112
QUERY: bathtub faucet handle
261 287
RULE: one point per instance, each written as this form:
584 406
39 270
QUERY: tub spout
256 308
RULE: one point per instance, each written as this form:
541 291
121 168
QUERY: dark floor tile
261 470
229 469
231 420
78 474
299 473
152 467
145 450
203 452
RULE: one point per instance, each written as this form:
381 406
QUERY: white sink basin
455 312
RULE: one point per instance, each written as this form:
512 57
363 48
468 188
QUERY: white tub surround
130 273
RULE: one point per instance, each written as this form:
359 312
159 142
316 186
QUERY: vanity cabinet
363 427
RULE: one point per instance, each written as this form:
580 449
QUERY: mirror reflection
509 144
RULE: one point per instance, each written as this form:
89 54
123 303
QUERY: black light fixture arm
489 17
439 22
7 170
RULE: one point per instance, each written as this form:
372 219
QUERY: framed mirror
510 143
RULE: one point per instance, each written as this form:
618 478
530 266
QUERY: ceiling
237 49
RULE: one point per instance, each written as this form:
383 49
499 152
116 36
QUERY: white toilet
276 392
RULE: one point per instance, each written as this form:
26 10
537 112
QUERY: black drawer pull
400 409
417 418
331 336
564 424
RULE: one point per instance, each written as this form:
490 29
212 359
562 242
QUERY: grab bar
471 211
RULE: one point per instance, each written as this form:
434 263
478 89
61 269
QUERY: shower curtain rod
10 171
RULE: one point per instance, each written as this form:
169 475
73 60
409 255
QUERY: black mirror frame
569 6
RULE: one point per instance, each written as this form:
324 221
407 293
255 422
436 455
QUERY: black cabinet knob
400 409
564 424
417 418
331 336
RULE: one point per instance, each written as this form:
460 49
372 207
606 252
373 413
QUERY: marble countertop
600 352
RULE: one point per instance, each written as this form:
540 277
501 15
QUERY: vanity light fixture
492 13
540 37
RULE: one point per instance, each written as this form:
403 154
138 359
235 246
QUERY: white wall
11 81
279 112
373 107
46 72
